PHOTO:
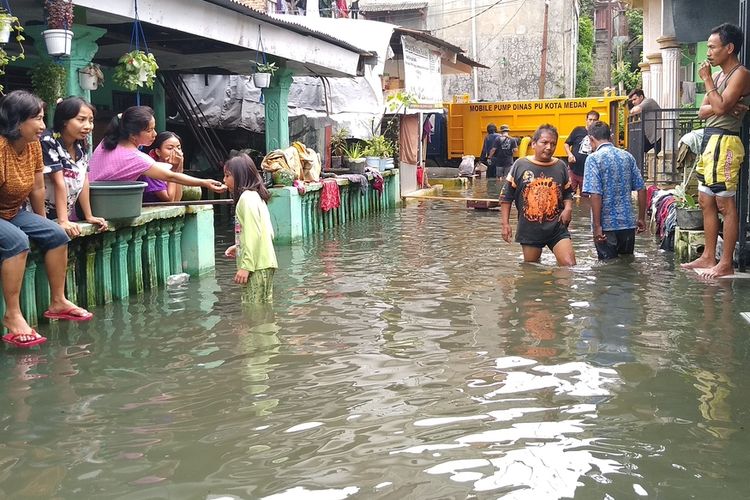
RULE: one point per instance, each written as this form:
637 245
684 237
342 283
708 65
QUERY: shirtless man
718 167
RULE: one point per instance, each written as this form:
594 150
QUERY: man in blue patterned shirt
610 176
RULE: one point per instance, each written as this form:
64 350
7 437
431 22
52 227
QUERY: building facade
509 38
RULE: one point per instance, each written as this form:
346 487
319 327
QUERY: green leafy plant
5 59
379 145
683 199
48 80
354 151
397 101
269 67
59 14
136 69
94 70
585 63
338 142
623 72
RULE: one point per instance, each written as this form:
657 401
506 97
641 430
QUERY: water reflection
409 356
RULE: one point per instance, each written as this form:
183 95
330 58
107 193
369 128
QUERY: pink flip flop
68 314
13 339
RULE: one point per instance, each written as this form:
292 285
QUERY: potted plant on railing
689 214
48 81
355 158
338 147
91 76
136 69
263 74
59 35
12 25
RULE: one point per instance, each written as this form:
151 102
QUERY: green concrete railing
132 256
296 216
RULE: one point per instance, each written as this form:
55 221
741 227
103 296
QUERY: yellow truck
467 122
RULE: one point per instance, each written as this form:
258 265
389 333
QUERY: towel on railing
329 196
377 179
360 179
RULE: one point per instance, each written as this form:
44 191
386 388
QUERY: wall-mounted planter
87 81
58 42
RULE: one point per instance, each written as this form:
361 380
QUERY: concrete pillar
276 99
646 77
285 207
670 54
160 107
82 50
655 65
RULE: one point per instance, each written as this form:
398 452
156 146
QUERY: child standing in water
253 248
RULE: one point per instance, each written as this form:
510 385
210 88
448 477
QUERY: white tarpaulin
231 101
422 76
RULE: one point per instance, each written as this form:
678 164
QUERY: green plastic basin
116 199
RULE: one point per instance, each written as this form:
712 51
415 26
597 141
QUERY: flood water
408 356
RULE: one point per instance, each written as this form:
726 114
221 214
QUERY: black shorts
560 233
621 242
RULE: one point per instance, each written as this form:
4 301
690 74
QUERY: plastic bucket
116 199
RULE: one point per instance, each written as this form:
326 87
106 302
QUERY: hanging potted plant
59 36
262 77
6 25
91 76
13 25
136 69
48 80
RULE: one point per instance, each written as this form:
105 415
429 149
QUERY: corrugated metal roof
389 5
439 42
241 8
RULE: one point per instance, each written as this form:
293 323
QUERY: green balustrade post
43 295
121 288
175 246
92 243
149 254
135 260
164 268
71 273
104 269
28 293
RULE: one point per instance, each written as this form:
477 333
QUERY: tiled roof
389 5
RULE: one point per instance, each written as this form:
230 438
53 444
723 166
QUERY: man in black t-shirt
502 152
578 148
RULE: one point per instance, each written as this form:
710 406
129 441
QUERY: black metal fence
654 139
660 162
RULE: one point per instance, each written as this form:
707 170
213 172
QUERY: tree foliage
623 71
585 63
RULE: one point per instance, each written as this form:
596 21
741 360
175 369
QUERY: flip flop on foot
70 314
14 339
